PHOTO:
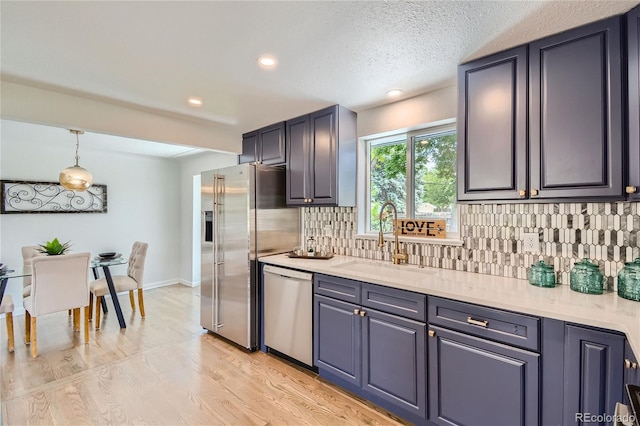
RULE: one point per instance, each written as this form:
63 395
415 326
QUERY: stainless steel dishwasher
288 320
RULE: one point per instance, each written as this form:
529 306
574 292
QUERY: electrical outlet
531 243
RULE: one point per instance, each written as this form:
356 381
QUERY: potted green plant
54 247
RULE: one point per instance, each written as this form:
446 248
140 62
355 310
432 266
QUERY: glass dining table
97 262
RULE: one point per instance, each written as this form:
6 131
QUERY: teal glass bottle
586 277
542 275
629 281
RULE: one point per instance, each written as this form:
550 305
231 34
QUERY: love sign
436 228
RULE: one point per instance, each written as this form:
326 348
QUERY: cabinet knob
534 192
631 189
356 311
432 333
627 364
362 313
522 193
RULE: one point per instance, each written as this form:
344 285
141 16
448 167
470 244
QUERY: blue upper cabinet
561 95
264 146
321 166
492 127
576 113
249 148
633 45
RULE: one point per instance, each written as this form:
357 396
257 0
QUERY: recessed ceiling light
394 92
267 61
196 102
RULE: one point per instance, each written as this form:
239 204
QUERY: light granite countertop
605 311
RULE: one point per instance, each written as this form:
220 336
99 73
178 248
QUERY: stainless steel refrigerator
244 217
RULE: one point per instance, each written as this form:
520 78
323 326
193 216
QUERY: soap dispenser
311 249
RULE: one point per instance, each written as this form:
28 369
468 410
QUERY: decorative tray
292 255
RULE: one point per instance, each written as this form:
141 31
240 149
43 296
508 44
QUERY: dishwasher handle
288 273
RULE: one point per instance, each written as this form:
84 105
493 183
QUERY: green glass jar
586 277
542 275
629 281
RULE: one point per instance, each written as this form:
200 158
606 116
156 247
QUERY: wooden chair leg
87 313
27 328
9 319
90 306
97 318
34 338
141 302
76 319
132 301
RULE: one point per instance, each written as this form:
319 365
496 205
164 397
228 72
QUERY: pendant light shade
75 177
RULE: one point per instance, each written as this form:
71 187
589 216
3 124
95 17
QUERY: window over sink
417 172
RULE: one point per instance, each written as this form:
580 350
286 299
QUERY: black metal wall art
19 196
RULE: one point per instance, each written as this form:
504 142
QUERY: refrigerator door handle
218 189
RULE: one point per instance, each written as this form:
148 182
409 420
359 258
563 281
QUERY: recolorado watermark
602 418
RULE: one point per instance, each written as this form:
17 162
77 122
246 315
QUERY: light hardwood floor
163 370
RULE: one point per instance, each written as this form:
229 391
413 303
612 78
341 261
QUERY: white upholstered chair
28 253
6 308
58 283
129 282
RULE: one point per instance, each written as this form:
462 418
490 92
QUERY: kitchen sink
384 269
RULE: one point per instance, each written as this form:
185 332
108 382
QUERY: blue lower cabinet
394 363
593 375
474 381
631 369
337 336
377 355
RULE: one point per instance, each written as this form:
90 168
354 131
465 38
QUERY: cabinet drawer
395 301
338 288
502 326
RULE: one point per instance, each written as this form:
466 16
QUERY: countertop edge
604 311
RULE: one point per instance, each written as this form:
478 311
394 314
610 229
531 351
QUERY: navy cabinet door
633 34
249 144
394 365
474 381
492 127
593 373
337 335
575 113
631 369
323 162
271 144
297 147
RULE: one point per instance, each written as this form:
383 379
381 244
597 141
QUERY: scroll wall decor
50 197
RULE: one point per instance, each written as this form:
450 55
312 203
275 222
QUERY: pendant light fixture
75 177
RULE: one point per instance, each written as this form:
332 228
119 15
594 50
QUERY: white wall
34 105
144 204
409 114
189 167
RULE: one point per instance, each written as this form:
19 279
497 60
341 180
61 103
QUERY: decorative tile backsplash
492 235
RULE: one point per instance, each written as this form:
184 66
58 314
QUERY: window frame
409 138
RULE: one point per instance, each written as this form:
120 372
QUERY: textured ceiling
154 55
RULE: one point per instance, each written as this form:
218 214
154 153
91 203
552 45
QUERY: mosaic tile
606 233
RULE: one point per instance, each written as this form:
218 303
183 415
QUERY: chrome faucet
398 256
